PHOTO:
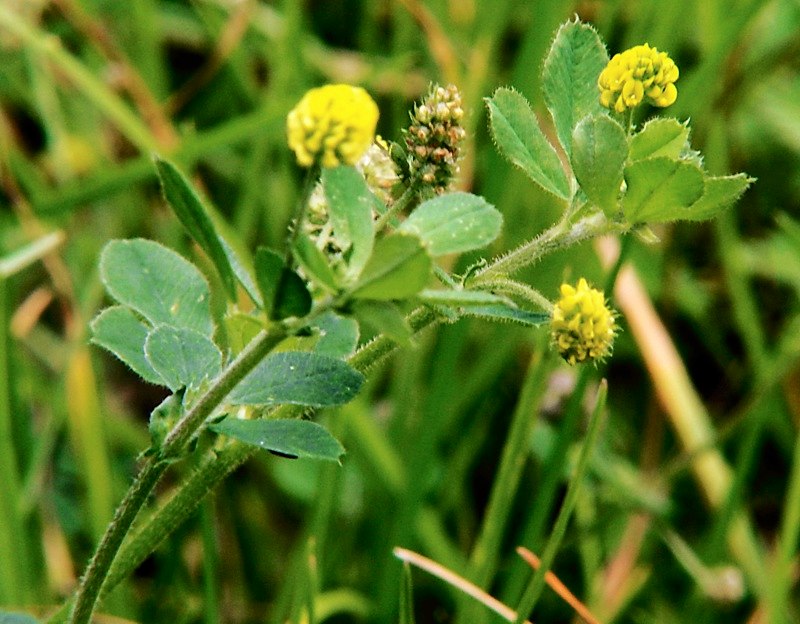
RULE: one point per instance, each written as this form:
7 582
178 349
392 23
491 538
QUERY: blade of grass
267 120
15 582
50 48
460 583
534 589
687 415
89 441
485 552
787 546
211 607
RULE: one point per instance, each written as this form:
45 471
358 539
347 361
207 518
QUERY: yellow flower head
333 125
635 74
583 326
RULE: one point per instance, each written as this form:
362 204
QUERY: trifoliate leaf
519 139
569 78
314 263
662 136
159 284
182 357
121 332
454 223
350 206
599 152
399 268
660 189
283 292
298 378
287 437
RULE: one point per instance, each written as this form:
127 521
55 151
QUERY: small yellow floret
583 326
332 125
637 74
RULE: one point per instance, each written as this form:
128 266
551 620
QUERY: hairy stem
557 237
97 571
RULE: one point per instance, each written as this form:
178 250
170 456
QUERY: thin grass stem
534 589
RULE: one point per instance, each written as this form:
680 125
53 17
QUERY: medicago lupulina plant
372 220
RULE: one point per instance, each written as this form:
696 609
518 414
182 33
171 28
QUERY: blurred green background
89 89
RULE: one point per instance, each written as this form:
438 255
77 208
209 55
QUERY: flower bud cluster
582 327
637 74
433 138
332 125
379 170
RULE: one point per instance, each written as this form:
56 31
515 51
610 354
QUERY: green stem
13 580
517 289
557 237
211 606
536 584
789 538
214 469
49 47
403 202
92 582
483 559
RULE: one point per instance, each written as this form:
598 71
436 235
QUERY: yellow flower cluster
582 327
332 125
635 74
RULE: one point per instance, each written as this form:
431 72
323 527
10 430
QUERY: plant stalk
136 497
560 236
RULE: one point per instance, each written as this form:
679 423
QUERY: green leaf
407 596
191 212
385 318
182 357
298 378
240 329
720 192
504 312
120 331
338 335
454 223
461 297
164 417
156 282
599 152
289 437
238 254
350 205
314 263
398 268
7 617
520 140
662 136
283 292
660 189
569 78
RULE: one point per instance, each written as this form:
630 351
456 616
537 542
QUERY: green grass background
90 88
